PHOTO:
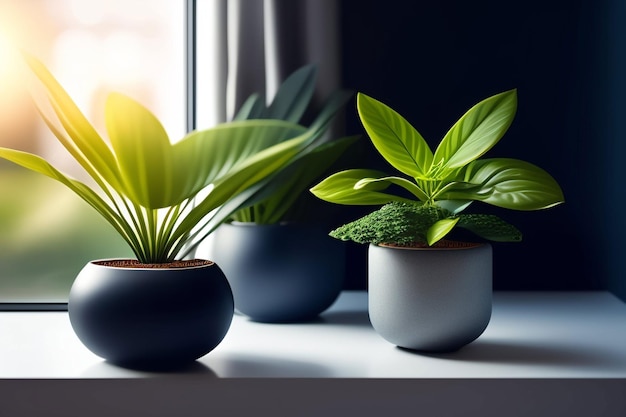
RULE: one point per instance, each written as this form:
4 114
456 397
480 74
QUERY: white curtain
247 46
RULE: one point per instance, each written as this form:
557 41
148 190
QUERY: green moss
404 223
490 227
397 222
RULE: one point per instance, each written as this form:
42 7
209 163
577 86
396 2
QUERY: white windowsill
531 335
543 355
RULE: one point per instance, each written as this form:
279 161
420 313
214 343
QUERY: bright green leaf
384 182
143 152
37 164
82 141
440 229
477 131
396 140
340 188
242 177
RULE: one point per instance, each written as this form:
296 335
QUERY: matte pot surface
280 272
146 318
433 300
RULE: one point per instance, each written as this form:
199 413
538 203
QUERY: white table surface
531 335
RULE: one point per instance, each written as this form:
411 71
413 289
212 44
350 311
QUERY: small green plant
162 198
290 103
440 184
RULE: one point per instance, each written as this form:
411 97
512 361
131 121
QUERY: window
93 47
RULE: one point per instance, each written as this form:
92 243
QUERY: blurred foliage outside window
93 47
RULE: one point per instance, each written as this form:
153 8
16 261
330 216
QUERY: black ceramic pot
280 272
150 318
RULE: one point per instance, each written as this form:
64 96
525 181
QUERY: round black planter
150 318
280 272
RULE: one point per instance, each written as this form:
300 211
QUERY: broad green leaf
440 229
242 177
386 181
340 188
39 165
460 190
287 185
84 143
516 184
394 138
293 95
144 153
222 147
477 131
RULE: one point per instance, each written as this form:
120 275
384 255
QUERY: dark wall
432 60
612 114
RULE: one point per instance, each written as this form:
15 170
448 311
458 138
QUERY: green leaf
293 95
37 164
515 184
394 138
440 229
453 206
340 188
242 177
144 153
477 131
252 108
286 186
384 182
83 141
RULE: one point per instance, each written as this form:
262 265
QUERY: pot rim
463 245
103 263
253 224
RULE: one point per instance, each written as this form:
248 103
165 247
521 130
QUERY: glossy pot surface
430 299
279 272
150 317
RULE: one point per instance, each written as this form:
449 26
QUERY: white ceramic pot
430 299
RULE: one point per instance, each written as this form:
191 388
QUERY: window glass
93 47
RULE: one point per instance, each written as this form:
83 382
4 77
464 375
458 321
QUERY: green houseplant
424 206
270 256
162 198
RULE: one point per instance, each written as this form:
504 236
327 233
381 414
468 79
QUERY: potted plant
426 291
161 308
281 268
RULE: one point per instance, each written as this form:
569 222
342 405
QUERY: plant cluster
161 197
438 186
290 103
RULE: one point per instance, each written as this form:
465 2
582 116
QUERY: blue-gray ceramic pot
280 272
430 299
150 317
